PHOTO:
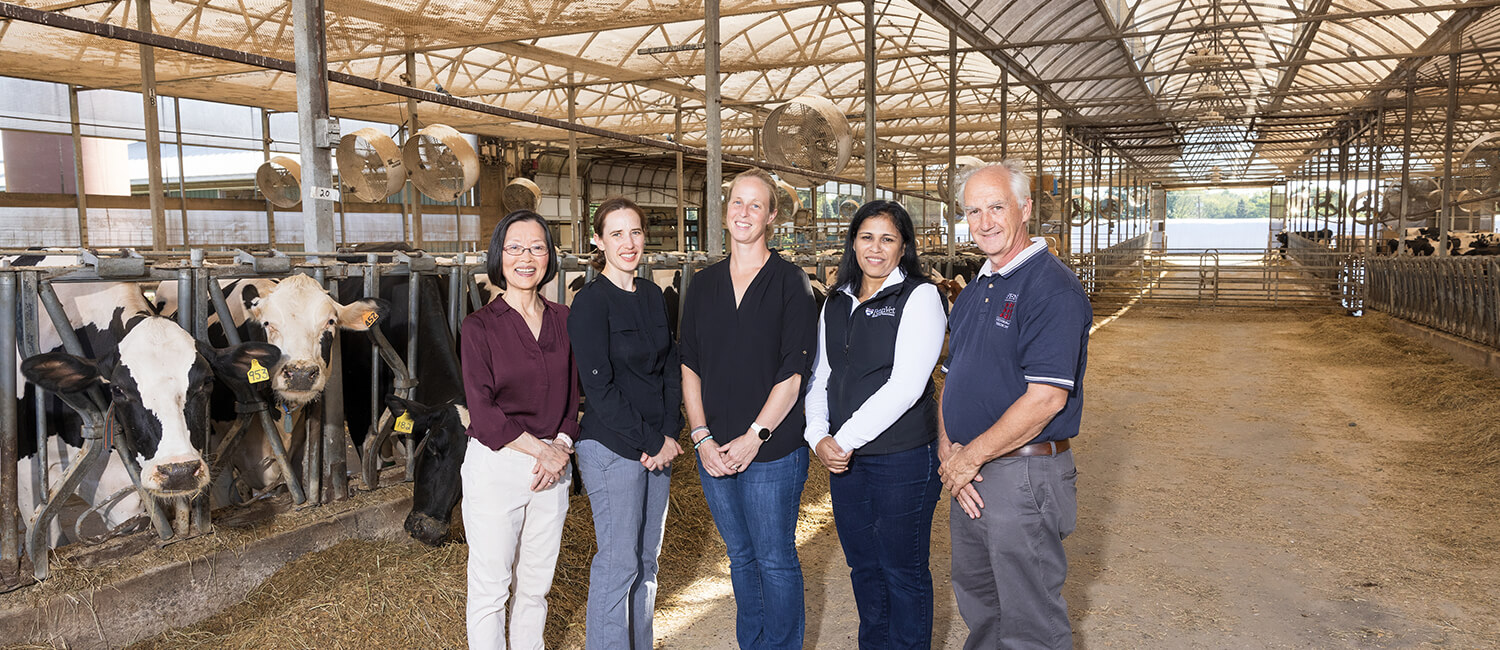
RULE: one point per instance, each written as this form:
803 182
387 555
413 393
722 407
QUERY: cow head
437 487
160 381
301 319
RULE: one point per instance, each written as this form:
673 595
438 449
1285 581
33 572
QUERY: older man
1011 402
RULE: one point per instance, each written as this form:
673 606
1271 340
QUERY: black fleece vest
861 347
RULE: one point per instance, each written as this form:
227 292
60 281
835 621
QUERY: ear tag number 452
404 423
258 373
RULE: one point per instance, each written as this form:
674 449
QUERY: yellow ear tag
404 423
370 318
258 373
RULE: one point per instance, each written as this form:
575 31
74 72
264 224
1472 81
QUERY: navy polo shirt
1027 323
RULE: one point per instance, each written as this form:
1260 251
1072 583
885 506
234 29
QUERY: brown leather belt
1039 449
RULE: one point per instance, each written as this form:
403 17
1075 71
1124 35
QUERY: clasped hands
731 458
662 461
551 460
959 470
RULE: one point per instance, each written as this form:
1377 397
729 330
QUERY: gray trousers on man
630 515
1008 565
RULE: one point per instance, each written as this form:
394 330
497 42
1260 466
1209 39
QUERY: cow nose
300 377
176 477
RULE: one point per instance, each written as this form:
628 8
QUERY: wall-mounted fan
370 165
280 181
521 194
848 207
1479 167
961 165
787 201
808 132
442 163
1080 211
803 218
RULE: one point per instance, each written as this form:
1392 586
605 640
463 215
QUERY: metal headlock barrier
1457 295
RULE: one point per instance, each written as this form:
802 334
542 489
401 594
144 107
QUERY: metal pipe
1004 111
181 170
576 217
221 307
372 290
265 147
681 200
78 179
1405 167
335 465
10 508
413 295
29 347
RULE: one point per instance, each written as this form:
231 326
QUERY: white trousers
513 533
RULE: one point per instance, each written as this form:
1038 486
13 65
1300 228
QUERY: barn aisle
1247 479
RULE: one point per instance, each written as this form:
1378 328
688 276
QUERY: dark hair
609 205
849 272
497 246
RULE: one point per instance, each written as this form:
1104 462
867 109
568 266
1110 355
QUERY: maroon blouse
515 383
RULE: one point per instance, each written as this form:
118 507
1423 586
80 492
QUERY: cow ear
233 364
61 372
360 315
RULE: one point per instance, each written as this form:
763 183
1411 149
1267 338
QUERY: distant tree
1239 210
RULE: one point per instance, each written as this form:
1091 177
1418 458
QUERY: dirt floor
1286 479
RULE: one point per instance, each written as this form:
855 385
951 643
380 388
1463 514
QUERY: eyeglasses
536 250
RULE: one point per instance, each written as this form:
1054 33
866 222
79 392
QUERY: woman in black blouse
748 337
627 363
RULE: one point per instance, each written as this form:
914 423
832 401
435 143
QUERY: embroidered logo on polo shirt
873 312
1008 311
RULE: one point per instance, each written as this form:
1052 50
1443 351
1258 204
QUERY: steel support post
1446 223
153 130
681 199
313 126
418 236
1004 114
1036 194
579 220
413 301
1339 243
1406 164
1065 201
711 218
78 185
871 148
953 199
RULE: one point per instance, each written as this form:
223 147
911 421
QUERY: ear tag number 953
258 373
404 423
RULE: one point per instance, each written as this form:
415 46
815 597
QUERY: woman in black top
627 363
747 343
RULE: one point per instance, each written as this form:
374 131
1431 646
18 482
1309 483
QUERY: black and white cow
440 456
1425 241
157 377
299 317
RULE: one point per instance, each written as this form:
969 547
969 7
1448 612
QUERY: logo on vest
873 312
1007 312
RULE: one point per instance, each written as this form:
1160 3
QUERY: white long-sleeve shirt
919 342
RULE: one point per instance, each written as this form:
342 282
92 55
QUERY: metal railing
1457 295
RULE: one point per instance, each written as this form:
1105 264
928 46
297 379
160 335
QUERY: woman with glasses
747 343
872 421
522 394
627 363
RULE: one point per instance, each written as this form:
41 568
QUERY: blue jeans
630 515
756 514
882 507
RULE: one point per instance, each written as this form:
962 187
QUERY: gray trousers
630 516
1008 565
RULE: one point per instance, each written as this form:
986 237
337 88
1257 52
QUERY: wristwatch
761 431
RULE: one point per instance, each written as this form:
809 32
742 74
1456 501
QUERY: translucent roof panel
1174 88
